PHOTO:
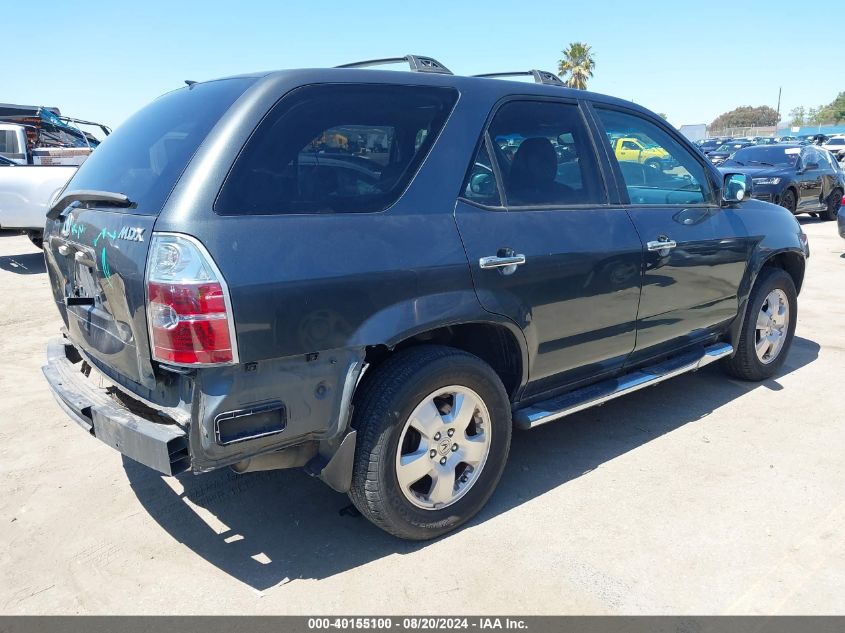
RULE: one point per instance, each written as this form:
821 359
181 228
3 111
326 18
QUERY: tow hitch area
161 446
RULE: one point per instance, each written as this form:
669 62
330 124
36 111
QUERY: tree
798 116
577 65
746 116
837 108
833 112
663 115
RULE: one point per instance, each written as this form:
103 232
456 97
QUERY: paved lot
705 495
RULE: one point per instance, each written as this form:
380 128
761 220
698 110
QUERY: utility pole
776 122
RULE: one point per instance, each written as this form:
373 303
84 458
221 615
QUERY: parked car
766 140
710 145
634 150
36 135
48 147
227 303
25 194
836 146
803 179
718 156
841 220
787 139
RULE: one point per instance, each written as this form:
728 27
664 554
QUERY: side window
661 171
336 148
480 185
544 155
810 155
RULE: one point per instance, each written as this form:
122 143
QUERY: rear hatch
98 233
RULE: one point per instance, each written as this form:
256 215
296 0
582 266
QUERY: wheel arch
790 260
498 343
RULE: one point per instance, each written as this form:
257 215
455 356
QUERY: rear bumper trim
162 447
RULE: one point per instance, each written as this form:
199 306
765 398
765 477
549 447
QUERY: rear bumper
161 446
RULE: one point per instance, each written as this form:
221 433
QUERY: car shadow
268 528
25 264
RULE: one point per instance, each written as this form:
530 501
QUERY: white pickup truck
39 152
25 194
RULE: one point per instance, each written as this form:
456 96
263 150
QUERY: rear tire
834 201
768 329
405 481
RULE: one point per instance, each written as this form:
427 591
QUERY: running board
599 393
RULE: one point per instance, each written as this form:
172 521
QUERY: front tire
768 329
834 201
434 430
789 201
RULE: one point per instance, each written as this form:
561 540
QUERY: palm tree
578 63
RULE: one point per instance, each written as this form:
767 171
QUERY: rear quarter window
336 148
146 155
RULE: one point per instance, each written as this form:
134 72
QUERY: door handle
662 247
507 262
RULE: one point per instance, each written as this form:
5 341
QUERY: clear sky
104 59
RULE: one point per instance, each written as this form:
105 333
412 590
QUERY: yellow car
633 150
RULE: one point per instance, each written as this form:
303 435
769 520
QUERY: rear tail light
188 307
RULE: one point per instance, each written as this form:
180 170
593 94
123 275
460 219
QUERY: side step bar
593 395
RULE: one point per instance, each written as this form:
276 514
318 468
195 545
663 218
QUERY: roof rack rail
418 64
540 76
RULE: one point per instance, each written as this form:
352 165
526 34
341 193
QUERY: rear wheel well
792 263
494 344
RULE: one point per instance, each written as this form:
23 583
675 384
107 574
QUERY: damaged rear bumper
156 444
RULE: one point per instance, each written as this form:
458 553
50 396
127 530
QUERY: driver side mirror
482 184
736 188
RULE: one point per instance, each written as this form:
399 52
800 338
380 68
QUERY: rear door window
145 156
336 148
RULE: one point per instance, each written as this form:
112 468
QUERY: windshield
147 154
766 155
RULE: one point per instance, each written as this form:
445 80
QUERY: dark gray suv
374 275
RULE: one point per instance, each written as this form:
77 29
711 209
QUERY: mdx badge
133 235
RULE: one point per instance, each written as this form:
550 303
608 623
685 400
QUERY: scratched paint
105 233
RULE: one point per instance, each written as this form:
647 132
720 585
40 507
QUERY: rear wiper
108 198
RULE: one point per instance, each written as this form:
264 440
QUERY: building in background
694 132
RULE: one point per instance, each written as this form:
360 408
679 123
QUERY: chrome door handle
661 246
495 261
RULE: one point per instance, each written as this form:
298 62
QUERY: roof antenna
189 82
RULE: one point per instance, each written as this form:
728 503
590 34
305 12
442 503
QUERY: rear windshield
147 154
336 148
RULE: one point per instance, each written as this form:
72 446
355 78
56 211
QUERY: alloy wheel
443 447
772 326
